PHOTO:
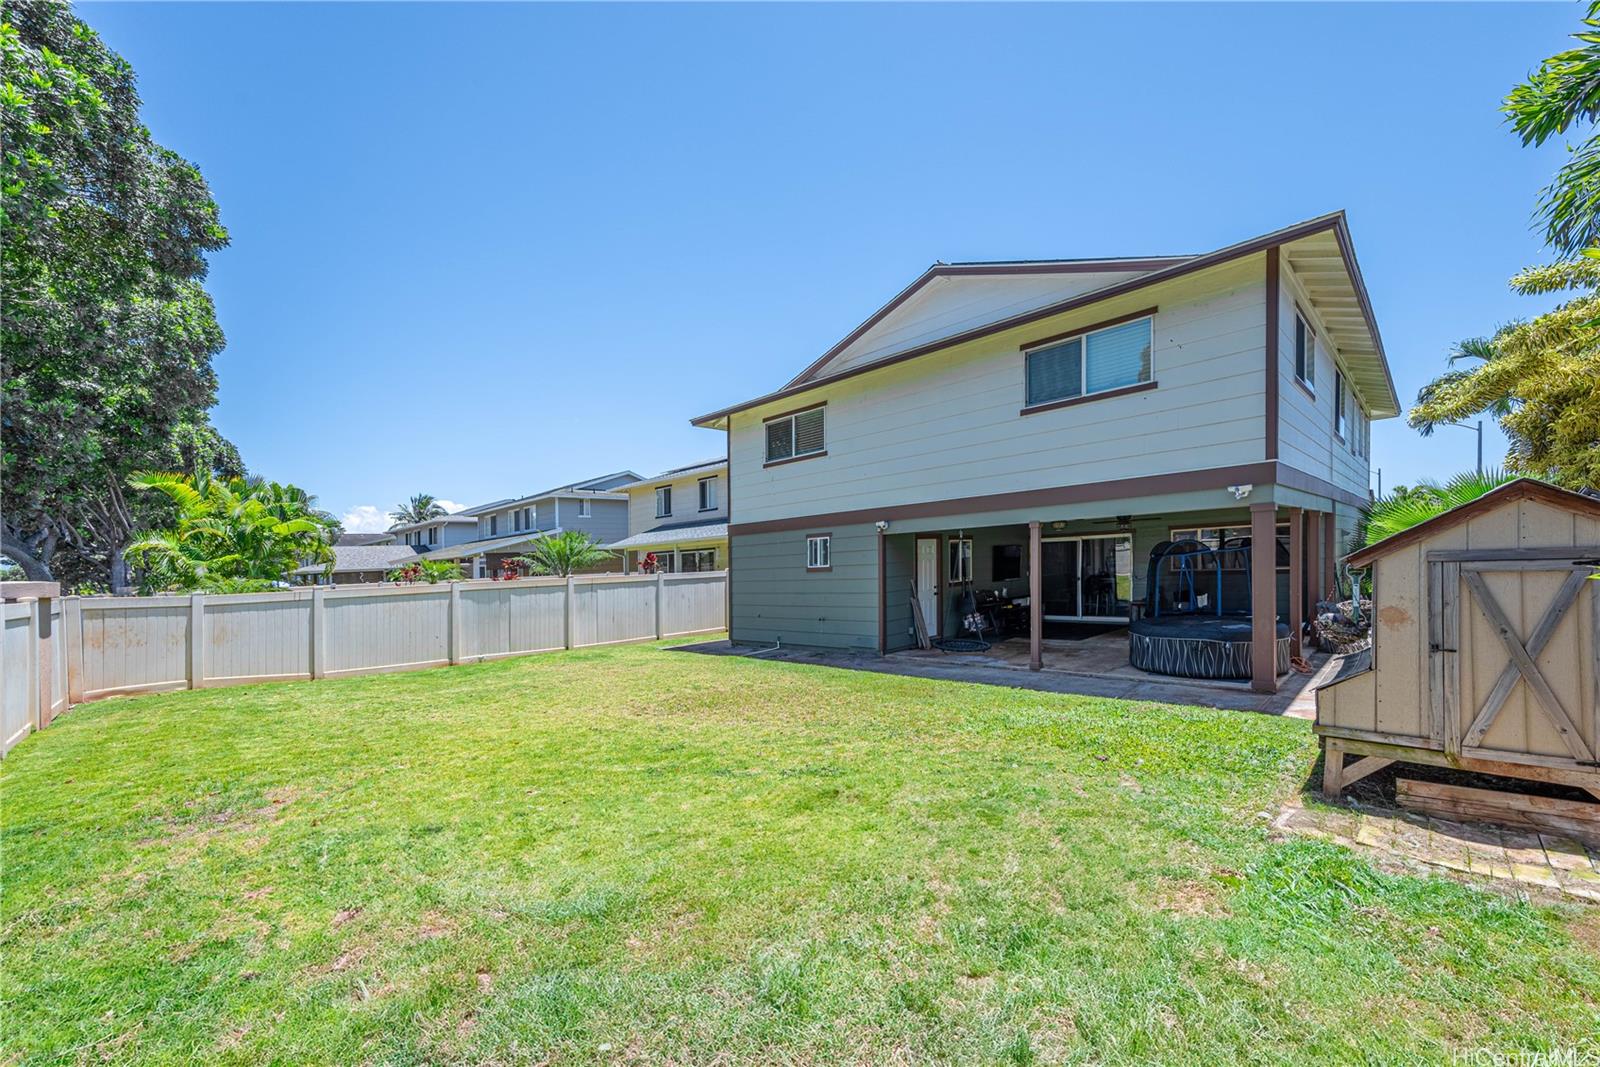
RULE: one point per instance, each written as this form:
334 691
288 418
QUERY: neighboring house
442 532
1037 427
357 565
364 539
681 516
508 528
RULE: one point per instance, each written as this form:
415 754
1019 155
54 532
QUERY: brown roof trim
1521 489
960 270
1221 256
1132 316
794 411
1087 493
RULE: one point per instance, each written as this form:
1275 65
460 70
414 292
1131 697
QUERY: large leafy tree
420 508
1540 379
107 331
230 535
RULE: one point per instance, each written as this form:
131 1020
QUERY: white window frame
794 453
1306 362
1341 404
663 494
583 507
819 552
1083 363
958 560
708 494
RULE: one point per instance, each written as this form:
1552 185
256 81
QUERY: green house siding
775 598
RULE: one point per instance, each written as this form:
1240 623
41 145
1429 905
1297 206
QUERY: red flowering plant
649 564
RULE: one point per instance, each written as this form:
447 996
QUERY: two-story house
1036 428
680 517
508 528
442 532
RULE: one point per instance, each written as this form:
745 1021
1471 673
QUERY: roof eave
1334 221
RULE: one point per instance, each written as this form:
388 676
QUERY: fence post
455 623
72 647
661 590
197 640
36 710
567 606
319 632
47 653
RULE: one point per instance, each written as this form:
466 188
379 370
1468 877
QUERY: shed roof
1521 489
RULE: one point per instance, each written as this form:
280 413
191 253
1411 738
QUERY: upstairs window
663 501
433 535
583 508
1113 358
1305 352
1340 418
494 525
708 494
819 552
795 436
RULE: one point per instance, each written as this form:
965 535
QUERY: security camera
1240 491
882 525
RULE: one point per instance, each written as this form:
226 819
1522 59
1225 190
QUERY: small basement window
819 552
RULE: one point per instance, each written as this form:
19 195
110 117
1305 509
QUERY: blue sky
483 249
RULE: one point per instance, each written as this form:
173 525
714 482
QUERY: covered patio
1059 593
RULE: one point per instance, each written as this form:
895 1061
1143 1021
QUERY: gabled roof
674 534
1521 489
602 486
364 558
703 467
454 517
1319 242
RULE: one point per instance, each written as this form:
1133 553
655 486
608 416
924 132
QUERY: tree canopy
107 330
1537 378
232 535
420 508
1563 93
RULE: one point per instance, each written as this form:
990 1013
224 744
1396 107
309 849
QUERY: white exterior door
928 582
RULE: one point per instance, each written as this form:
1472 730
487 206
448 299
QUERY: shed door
1513 659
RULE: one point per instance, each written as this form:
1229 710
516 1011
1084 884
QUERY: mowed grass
636 855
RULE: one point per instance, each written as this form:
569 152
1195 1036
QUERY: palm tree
232 535
420 508
1560 94
1405 508
565 553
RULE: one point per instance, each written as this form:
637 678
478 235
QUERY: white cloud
451 506
365 518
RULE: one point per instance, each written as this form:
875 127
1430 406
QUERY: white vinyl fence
103 646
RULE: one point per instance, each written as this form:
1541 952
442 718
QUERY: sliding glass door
1088 579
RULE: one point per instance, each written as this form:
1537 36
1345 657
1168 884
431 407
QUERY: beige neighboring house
680 515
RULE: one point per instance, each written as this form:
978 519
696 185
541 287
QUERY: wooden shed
1484 655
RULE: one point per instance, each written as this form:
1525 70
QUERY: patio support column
1263 598
1330 553
1311 537
1035 597
1297 578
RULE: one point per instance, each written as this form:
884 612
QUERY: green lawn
634 855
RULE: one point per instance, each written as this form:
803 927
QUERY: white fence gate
95 647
